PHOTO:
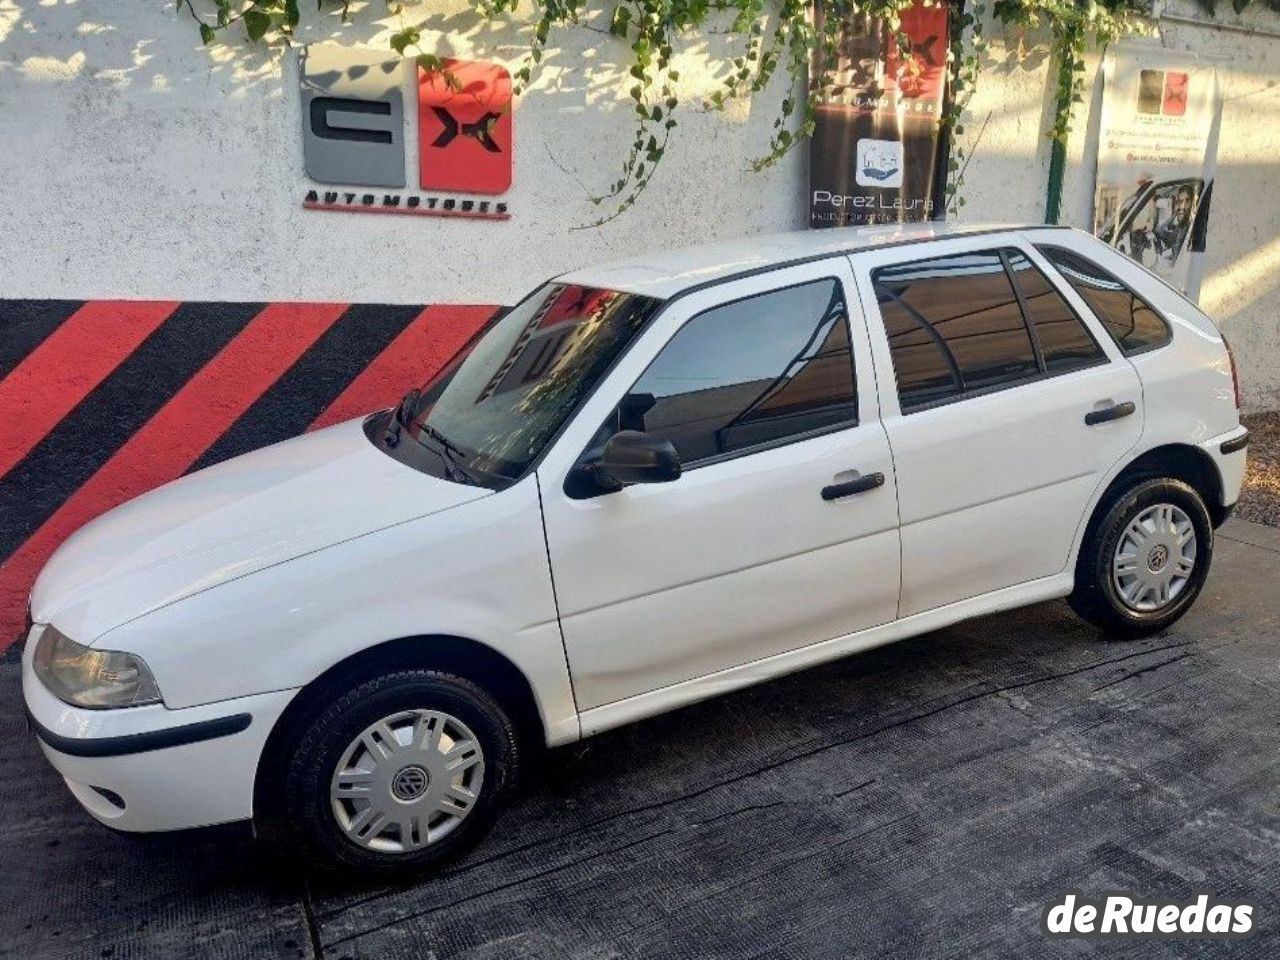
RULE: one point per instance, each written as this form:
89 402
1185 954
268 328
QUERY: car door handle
835 491
1113 412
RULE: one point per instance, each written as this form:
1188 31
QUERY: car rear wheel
399 775
1144 558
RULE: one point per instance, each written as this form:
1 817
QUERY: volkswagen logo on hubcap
1158 557
409 783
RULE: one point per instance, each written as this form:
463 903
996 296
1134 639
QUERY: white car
646 484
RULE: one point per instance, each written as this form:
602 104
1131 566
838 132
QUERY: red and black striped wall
102 400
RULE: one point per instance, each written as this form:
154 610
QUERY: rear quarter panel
1187 390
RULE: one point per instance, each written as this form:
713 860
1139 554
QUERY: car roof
670 272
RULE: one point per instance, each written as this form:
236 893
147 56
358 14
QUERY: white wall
138 164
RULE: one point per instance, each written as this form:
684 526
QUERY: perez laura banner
1156 155
874 156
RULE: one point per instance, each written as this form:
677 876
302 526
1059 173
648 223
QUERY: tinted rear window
954 326
1132 322
1064 341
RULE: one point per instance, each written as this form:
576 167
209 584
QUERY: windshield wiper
452 455
448 451
401 417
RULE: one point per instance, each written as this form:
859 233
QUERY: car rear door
781 530
1005 406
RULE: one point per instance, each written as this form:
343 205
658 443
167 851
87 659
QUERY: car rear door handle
861 485
1113 412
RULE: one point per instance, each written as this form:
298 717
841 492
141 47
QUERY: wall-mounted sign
875 152
353 132
464 128
353 116
1156 159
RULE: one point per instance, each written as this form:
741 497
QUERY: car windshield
490 412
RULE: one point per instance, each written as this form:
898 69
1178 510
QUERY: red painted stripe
59 373
410 211
411 359
173 439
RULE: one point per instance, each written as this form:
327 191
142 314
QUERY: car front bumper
150 768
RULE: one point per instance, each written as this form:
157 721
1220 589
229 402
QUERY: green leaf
256 24
407 37
207 33
291 15
621 20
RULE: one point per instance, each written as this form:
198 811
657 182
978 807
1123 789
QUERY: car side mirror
634 457
628 457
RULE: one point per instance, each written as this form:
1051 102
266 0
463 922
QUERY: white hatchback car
646 484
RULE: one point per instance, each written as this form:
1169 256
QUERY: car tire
1141 538
377 783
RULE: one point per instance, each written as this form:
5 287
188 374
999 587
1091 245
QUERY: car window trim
774 444
1031 325
1036 350
1168 328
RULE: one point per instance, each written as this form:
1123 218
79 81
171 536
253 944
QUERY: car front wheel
399 775
1144 560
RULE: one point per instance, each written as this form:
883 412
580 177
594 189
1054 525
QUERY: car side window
1132 322
954 326
750 373
1065 343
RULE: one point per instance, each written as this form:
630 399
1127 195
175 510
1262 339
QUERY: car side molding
142 742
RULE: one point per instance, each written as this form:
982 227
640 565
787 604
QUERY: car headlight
97 679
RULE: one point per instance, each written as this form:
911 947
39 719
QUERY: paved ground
923 800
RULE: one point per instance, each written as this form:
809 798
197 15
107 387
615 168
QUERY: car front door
781 530
1006 406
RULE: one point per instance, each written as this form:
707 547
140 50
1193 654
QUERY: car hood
230 520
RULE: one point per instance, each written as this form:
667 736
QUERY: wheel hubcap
1155 558
407 781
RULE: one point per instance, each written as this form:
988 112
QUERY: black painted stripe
112 412
315 381
25 324
142 742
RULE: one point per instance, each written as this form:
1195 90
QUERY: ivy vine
800 36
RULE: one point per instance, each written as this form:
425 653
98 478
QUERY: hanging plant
765 36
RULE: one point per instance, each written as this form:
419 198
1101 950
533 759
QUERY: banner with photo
1156 157
875 153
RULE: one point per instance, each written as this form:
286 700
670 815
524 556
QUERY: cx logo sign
464 128
353 119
